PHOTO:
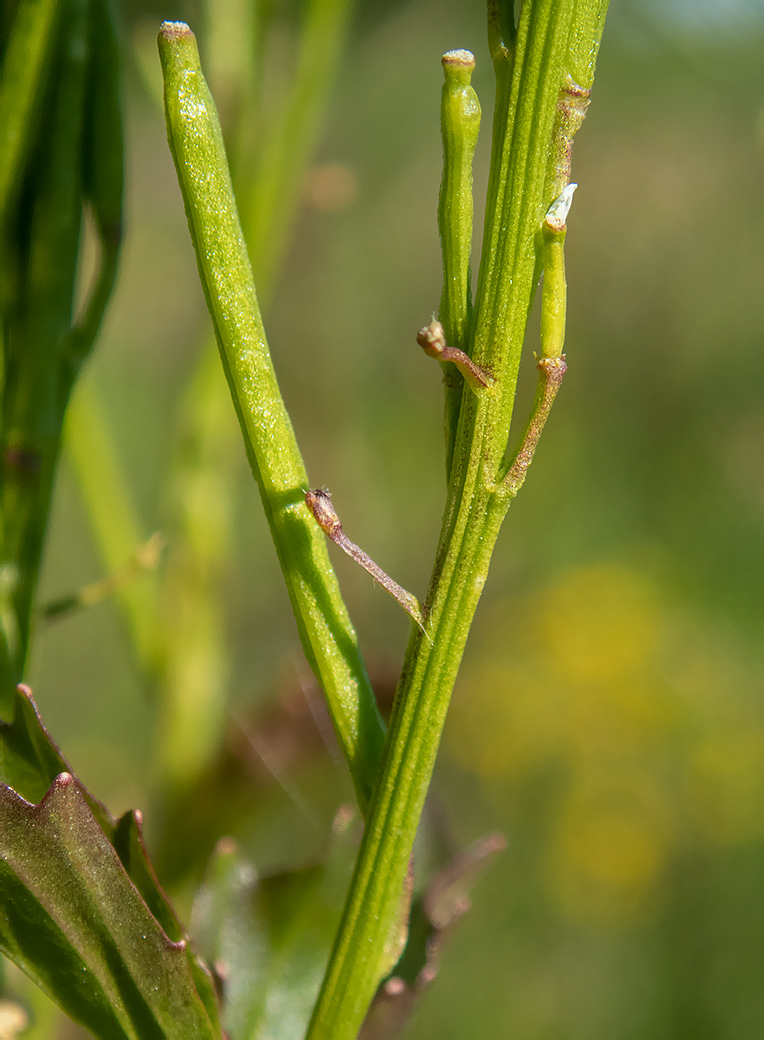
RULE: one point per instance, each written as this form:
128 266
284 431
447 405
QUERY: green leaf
22 81
269 938
81 912
29 760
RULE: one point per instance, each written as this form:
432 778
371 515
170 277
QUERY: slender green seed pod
554 291
460 125
328 638
551 365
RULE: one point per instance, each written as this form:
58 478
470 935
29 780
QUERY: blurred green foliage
610 715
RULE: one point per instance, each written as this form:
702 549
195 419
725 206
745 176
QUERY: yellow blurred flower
633 720
608 847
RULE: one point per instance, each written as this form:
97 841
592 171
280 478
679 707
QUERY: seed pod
460 125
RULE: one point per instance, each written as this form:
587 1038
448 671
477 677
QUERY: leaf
26 61
29 760
269 938
81 911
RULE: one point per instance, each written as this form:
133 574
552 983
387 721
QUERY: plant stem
145 558
528 91
103 172
327 635
65 146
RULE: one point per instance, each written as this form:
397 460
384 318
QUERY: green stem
518 200
145 558
328 638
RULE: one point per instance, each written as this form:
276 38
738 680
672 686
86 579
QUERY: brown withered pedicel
319 502
432 340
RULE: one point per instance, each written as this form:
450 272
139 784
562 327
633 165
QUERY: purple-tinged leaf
80 909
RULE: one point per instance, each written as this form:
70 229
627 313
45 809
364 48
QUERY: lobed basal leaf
81 911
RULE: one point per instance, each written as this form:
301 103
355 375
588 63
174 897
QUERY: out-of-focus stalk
109 506
193 652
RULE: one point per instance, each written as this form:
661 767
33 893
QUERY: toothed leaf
80 909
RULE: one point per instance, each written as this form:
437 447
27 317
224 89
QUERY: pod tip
174 30
459 59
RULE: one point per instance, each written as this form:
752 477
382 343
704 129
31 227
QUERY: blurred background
609 717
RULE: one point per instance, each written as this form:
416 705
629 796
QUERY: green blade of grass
22 82
37 376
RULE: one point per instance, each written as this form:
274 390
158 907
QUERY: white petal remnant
460 57
557 213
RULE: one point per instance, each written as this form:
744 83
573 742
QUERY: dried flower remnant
432 340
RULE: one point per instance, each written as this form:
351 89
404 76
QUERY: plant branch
528 88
